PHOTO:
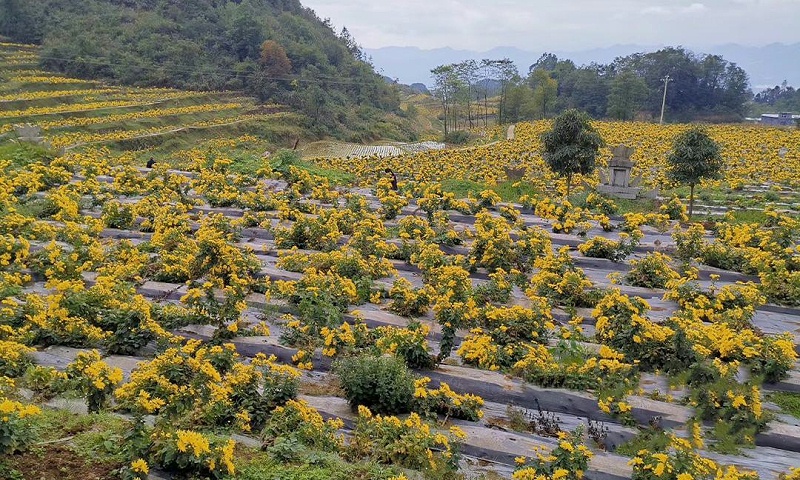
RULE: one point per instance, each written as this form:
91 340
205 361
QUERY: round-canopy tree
571 146
694 156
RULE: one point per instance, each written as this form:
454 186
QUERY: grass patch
508 191
337 177
654 440
789 402
70 447
310 465
640 205
22 154
462 188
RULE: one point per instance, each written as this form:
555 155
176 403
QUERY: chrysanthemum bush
409 443
718 323
734 407
15 358
506 334
192 452
16 430
560 281
201 385
652 271
768 249
297 420
492 247
682 462
614 250
407 300
568 460
94 378
577 369
622 324
566 218
321 297
392 202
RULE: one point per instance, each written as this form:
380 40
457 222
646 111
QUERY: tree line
700 88
780 98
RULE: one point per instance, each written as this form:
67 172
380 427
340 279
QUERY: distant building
783 119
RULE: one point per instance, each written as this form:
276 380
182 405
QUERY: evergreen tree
695 156
571 146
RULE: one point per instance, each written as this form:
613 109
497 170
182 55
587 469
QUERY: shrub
568 460
623 325
690 243
14 358
601 204
408 301
16 431
444 401
307 232
616 251
94 378
409 343
299 421
561 282
191 452
675 209
117 215
680 461
653 271
457 137
735 404
382 384
409 444
493 247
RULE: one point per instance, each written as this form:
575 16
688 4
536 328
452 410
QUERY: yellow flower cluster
682 462
750 153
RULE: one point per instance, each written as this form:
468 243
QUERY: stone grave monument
29 133
617 181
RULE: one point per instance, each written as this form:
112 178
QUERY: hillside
276 50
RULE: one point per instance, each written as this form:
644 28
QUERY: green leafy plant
382 384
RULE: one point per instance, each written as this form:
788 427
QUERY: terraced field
75 113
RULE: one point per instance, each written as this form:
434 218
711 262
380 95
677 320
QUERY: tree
628 91
444 89
274 60
505 72
694 157
545 92
571 146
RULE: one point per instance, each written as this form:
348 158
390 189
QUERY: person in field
151 162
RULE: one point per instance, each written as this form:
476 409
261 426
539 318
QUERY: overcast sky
562 24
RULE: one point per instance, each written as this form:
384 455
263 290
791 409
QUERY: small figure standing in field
394 178
151 162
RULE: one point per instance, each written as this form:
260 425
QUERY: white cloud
695 7
656 10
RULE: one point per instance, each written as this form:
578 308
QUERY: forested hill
277 50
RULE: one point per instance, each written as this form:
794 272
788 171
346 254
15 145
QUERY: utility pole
666 81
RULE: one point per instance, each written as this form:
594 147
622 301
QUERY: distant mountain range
767 66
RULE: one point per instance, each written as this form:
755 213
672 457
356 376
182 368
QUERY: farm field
228 315
153 122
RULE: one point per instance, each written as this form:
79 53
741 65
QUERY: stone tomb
617 181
